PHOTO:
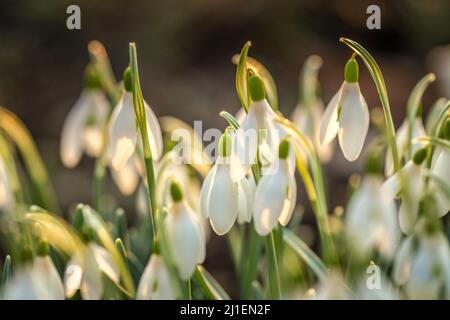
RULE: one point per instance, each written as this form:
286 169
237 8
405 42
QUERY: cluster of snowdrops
388 242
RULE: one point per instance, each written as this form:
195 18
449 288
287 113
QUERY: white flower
275 195
222 199
441 171
185 234
332 287
37 280
155 281
83 271
409 184
347 116
6 195
401 139
422 266
371 219
82 130
127 178
123 132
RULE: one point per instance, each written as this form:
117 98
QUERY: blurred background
185 50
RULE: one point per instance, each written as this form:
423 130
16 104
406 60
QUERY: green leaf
6 273
377 77
304 252
210 287
232 121
242 77
433 115
412 107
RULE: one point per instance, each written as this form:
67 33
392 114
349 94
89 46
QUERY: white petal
290 203
329 124
154 133
126 178
205 191
72 277
91 284
222 201
6 196
155 281
442 171
71 147
353 122
46 271
105 262
245 201
122 132
402 261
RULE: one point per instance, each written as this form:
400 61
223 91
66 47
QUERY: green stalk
273 273
377 77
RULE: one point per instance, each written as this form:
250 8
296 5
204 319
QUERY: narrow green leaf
210 287
434 113
304 252
242 77
232 121
6 273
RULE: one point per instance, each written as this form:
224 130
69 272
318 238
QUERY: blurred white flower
332 287
371 221
407 183
123 132
347 116
276 194
82 130
6 195
441 170
422 266
401 139
36 280
83 272
222 199
185 234
155 281
127 178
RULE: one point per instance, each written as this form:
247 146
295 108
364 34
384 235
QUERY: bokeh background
185 50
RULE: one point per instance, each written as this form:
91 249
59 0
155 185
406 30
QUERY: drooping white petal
329 124
71 148
441 170
155 281
186 237
403 260
96 117
73 276
154 133
105 262
245 206
222 202
44 269
205 191
290 202
126 178
122 132
271 199
91 283
353 121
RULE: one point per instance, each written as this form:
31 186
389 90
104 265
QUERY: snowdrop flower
127 178
257 132
38 279
222 199
6 195
422 264
371 219
275 194
82 130
155 281
347 115
123 130
441 170
401 139
83 272
408 183
185 234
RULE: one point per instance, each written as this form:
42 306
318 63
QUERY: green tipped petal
127 81
175 191
351 73
256 88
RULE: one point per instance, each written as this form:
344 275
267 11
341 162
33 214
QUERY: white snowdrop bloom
82 130
422 266
123 130
127 178
408 184
222 199
307 121
6 195
36 280
83 272
257 132
185 234
371 219
347 115
401 139
155 281
275 195
441 171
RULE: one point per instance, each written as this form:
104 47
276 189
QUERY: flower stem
274 275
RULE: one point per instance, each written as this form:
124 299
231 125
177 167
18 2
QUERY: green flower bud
283 149
91 78
351 73
420 155
256 88
225 145
42 248
127 81
175 191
